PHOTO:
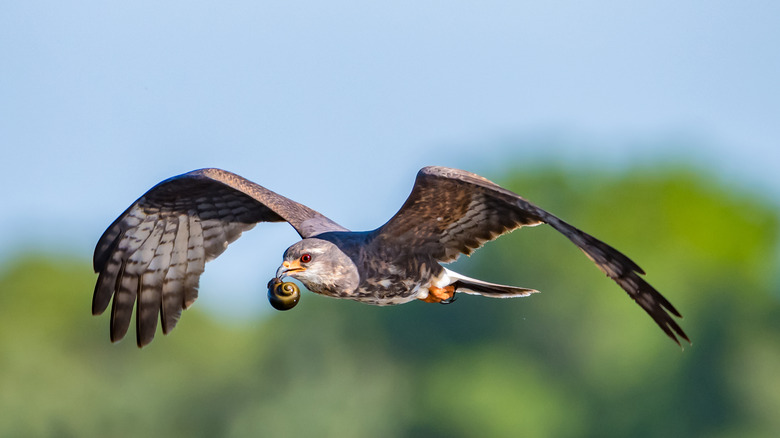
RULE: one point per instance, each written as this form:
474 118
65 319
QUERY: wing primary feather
626 274
107 279
149 301
122 307
128 283
148 306
173 283
196 260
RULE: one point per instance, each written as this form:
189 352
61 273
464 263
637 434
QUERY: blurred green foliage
579 359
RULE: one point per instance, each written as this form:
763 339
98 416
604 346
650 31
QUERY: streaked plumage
153 254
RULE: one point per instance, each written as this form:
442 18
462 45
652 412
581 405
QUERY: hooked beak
293 266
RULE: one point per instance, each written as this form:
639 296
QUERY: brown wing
154 253
451 211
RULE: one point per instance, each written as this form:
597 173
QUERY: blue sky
330 102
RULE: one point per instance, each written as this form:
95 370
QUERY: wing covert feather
452 212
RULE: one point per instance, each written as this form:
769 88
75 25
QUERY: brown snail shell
283 295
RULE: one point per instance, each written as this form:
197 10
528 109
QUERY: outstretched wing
452 211
153 254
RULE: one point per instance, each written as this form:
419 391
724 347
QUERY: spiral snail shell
283 295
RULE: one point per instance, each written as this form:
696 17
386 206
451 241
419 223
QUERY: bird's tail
473 286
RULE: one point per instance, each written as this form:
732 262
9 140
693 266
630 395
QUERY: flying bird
152 256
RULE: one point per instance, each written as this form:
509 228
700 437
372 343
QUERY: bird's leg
449 300
440 294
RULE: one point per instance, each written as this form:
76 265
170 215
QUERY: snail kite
152 256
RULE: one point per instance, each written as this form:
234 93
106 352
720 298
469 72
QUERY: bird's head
321 266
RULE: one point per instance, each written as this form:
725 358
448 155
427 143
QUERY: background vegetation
579 359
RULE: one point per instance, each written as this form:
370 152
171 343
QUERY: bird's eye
306 258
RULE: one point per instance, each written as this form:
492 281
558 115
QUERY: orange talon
439 294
